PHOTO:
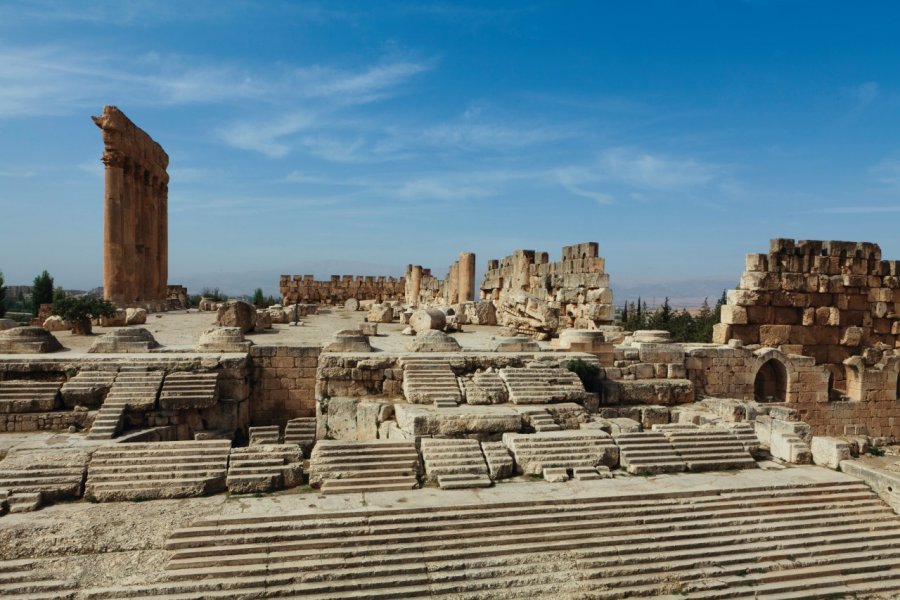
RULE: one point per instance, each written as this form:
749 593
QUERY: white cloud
265 137
17 173
860 210
648 171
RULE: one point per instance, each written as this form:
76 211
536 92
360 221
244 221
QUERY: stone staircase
540 420
648 453
455 463
540 385
144 471
264 468
499 461
428 379
486 388
371 466
301 431
184 390
135 388
773 540
87 386
746 433
534 452
265 434
710 449
28 487
23 396
26 579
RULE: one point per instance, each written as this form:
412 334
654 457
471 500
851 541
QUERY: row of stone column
135 257
460 283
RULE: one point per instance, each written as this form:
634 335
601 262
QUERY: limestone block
367 414
349 340
790 448
829 451
763 428
278 315
555 474
56 323
516 343
433 341
118 320
7 324
223 339
798 428
351 304
774 335
263 320
237 313
624 425
135 316
380 313
369 329
426 319
852 336
721 333
653 415
337 418
421 419
734 315
661 353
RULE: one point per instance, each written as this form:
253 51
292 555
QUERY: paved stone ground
180 331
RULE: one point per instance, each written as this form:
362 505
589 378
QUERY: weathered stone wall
46 421
534 294
230 414
825 299
306 289
177 297
282 383
135 251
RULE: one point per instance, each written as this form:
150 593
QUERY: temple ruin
135 228
380 437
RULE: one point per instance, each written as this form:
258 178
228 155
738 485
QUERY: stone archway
770 383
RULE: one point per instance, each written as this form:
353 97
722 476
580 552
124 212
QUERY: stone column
152 267
113 241
162 199
466 276
453 284
129 237
415 284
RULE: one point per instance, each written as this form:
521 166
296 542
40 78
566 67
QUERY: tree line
684 326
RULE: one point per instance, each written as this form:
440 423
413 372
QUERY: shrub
80 310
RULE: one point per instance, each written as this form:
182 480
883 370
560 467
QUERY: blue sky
359 137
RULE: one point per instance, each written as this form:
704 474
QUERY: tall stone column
415 284
129 234
152 267
113 239
140 209
466 276
453 284
163 233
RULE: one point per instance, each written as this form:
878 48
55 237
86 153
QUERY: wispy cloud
643 170
859 210
55 79
887 173
17 173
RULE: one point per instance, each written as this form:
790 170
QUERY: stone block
829 451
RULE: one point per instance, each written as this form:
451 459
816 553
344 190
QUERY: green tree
2 295
41 292
58 294
79 310
259 299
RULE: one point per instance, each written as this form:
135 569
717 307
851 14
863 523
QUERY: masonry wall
576 286
825 299
306 289
282 383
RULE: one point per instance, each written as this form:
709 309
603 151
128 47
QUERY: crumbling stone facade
135 232
282 383
306 289
535 295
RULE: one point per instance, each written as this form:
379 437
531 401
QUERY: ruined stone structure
135 232
458 287
306 289
535 295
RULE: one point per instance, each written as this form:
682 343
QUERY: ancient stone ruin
440 442
136 217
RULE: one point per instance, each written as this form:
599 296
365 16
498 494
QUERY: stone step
455 481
